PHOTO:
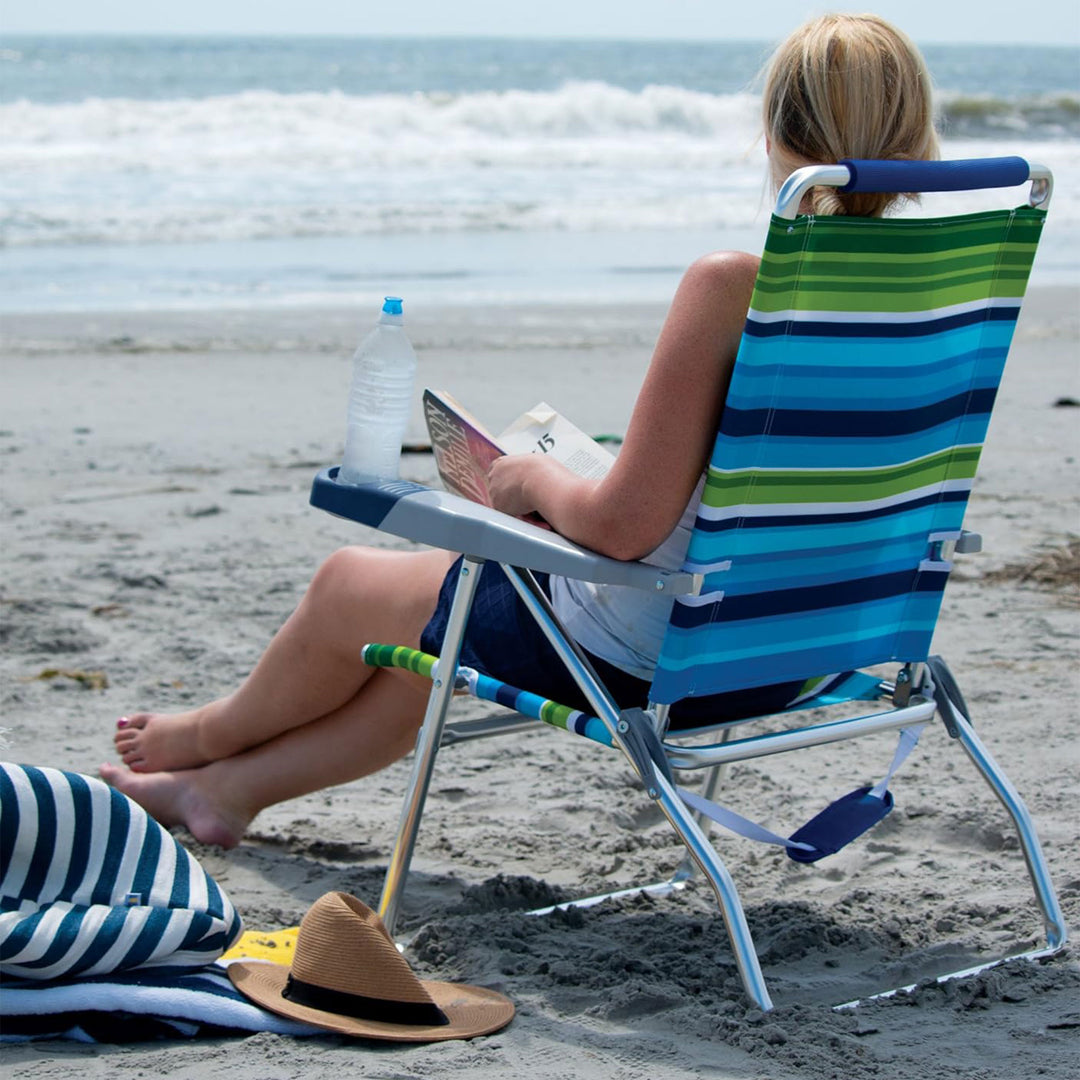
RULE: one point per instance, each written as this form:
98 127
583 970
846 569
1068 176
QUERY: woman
310 715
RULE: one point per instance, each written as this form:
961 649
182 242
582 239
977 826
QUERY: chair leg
954 713
1054 920
687 868
674 809
705 856
702 855
427 743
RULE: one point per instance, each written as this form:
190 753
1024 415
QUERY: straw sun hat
348 976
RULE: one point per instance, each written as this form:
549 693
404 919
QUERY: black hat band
420 1013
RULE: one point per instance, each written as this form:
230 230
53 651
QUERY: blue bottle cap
392 305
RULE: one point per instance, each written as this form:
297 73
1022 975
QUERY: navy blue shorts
503 640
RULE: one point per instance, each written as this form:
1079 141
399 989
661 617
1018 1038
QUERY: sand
156 532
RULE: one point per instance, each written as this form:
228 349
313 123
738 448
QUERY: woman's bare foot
158 742
190 797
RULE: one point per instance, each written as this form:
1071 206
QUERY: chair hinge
643 745
909 683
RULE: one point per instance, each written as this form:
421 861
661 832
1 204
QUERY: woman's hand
515 480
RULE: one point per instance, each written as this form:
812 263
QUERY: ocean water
198 172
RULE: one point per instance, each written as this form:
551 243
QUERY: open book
464 449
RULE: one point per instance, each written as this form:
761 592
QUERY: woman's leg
311 668
216 802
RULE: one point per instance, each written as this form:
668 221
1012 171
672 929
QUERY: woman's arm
672 429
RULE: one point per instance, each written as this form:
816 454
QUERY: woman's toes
125 745
109 773
129 727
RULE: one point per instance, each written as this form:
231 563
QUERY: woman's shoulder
724 268
725 277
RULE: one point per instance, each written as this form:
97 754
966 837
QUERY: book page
464 449
542 430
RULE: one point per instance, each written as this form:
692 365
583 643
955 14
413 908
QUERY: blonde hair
847 86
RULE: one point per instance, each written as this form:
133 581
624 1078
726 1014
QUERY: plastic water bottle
380 400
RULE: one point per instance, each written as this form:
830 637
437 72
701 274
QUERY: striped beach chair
833 505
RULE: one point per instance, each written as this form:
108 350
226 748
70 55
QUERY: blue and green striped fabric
486 688
91 884
848 446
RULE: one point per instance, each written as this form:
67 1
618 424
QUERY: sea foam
587 155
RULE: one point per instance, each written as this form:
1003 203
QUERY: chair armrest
442 520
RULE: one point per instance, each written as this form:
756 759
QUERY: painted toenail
122 722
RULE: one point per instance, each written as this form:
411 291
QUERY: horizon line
406 35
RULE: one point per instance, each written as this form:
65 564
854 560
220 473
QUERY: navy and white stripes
91 884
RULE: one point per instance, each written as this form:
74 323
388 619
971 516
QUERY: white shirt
620 624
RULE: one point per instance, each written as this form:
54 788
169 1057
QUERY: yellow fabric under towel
275 945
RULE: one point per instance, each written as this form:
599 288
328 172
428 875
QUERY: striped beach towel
848 446
136 1006
90 884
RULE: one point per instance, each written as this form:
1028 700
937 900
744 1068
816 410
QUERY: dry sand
156 530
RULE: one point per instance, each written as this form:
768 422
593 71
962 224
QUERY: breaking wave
588 155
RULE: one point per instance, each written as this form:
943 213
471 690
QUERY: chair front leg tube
704 854
427 741
674 809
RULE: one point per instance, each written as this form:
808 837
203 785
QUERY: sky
927 21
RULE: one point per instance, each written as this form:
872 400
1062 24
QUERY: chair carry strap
909 738
835 827
736 823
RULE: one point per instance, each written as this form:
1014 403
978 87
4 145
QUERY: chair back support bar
917 176
848 445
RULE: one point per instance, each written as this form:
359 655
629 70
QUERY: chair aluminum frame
923 689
